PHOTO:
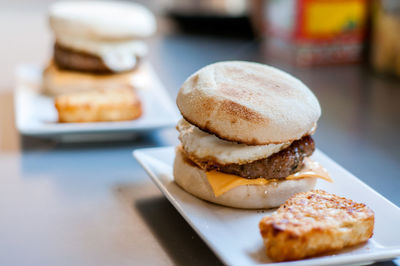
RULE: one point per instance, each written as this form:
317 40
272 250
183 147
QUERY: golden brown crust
248 103
98 105
313 223
241 112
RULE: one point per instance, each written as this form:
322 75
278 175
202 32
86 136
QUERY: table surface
92 204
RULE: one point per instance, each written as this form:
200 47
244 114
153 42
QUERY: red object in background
315 32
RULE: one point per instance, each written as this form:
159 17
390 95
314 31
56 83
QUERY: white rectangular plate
233 233
36 115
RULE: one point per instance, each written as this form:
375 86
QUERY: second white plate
36 115
234 236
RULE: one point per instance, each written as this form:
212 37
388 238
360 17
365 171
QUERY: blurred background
347 52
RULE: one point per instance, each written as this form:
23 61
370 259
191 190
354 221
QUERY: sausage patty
277 166
70 59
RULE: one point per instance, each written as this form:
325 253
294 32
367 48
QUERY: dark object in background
215 25
227 18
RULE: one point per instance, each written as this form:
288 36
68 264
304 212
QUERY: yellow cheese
221 182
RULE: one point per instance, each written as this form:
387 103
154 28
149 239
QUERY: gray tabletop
92 204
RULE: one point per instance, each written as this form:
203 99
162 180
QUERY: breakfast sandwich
96 38
246 135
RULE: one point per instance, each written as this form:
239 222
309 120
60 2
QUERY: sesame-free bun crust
248 103
101 20
194 180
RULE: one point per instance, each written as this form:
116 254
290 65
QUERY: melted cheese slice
222 183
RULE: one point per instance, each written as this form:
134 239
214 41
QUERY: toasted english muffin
195 181
102 20
248 103
98 105
313 223
56 81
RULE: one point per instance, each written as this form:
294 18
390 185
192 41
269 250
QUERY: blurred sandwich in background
98 46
